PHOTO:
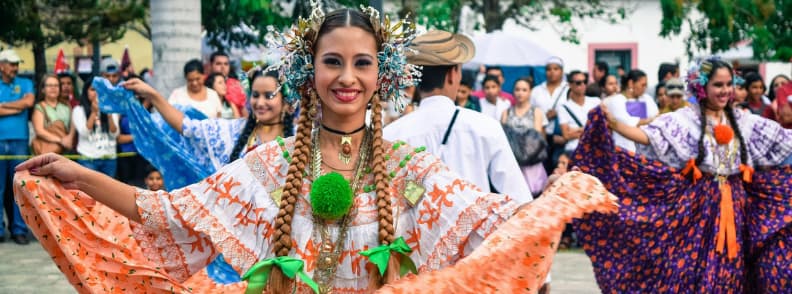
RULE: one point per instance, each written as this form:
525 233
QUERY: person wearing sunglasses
675 96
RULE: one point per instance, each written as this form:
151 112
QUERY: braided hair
716 65
250 124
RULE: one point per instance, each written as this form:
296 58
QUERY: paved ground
32 271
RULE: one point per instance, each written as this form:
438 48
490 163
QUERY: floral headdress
698 76
296 67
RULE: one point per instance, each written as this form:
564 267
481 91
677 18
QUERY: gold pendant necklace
345 155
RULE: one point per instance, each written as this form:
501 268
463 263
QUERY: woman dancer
704 206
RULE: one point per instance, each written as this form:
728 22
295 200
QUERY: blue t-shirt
124 124
15 127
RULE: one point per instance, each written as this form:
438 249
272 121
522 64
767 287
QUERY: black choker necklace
345 155
342 133
268 124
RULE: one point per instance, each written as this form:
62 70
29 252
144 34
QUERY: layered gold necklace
329 251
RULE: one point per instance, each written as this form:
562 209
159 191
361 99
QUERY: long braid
250 124
381 176
733 122
701 149
384 208
291 189
282 242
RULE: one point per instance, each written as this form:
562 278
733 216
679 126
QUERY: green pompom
331 196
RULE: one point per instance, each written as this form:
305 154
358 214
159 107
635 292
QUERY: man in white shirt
470 143
573 114
549 96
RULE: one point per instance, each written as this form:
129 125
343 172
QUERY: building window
615 55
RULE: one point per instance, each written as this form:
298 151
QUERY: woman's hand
56 166
66 142
141 88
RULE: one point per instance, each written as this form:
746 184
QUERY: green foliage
239 23
492 14
48 22
766 23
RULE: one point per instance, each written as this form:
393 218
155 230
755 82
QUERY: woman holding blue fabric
335 207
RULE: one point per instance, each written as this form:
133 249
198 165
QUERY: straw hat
441 48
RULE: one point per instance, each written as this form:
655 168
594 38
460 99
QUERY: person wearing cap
16 98
470 143
109 70
675 94
549 96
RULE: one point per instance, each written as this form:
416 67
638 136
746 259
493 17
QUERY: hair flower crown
699 75
296 70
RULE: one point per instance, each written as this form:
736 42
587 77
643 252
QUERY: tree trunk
40 60
493 18
175 38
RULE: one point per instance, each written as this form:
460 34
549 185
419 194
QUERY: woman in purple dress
705 203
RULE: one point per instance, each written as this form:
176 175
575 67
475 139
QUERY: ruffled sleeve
671 139
229 212
769 144
452 216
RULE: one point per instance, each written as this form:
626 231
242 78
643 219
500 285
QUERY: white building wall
642 26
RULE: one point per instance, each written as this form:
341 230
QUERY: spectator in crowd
598 73
675 96
609 86
780 109
755 102
573 114
220 63
68 91
632 107
665 72
620 72
51 119
464 98
549 96
195 94
776 83
661 97
16 98
145 75
471 143
740 92
96 133
521 119
492 104
110 70
154 179
217 82
496 71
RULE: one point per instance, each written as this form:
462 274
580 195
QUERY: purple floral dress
664 237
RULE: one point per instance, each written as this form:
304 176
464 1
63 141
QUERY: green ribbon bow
258 275
381 255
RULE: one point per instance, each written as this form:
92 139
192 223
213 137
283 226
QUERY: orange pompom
723 134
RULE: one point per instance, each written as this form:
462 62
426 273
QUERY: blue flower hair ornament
698 77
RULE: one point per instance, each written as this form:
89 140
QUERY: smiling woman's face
346 72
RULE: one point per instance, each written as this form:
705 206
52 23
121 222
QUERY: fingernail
34 170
